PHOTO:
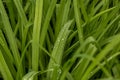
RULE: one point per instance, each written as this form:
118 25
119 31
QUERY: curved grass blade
101 13
32 74
58 51
70 62
83 63
106 29
115 41
103 63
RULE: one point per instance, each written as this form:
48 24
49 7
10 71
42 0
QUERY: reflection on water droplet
58 40
62 38
91 72
59 73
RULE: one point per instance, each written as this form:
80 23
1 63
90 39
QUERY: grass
59 39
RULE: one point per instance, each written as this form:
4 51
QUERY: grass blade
58 51
36 34
4 68
78 23
101 55
9 34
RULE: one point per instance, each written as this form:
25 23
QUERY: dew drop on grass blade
58 51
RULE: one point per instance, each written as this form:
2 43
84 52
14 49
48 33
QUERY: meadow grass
59 40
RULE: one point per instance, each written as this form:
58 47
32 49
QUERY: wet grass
59 39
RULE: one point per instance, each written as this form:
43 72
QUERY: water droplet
59 73
91 72
58 40
62 39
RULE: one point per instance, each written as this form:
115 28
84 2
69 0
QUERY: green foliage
59 39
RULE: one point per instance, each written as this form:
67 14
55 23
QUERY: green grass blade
20 11
101 55
59 17
83 63
103 63
78 23
101 13
83 10
36 34
9 34
106 29
47 20
58 51
66 12
4 68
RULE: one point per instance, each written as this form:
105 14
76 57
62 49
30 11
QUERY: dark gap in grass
1 23
19 38
88 8
58 1
69 56
90 1
49 46
91 28
26 69
71 12
75 39
74 64
1 78
24 2
98 2
47 58
97 75
26 63
8 14
53 21
111 3
74 28
82 17
27 14
15 67
99 10
5 37
52 24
